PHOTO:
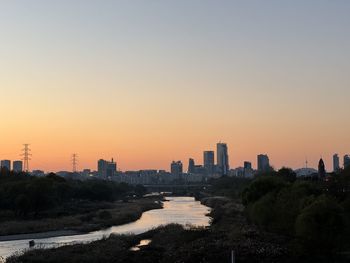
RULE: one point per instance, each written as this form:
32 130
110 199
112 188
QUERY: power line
74 162
26 157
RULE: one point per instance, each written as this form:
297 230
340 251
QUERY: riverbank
174 243
96 216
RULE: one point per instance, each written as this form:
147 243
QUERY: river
180 210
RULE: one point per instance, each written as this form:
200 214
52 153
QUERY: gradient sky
147 82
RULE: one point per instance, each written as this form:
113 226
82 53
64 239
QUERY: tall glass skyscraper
222 158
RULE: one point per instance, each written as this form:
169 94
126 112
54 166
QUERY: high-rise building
191 166
222 158
248 170
247 165
321 169
176 168
208 161
346 161
17 166
106 168
6 164
336 165
263 163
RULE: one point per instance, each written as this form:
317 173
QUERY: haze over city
162 81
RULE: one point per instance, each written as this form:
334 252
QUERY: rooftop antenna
306 163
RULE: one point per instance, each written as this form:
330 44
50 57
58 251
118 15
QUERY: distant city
108 169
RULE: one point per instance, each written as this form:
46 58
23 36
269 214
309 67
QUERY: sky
148 82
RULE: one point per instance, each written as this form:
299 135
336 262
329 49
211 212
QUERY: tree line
26 195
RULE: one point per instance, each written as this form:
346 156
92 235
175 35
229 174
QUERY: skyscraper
346 161
191 166
17 166
263 163
6 164
321 169
106 168
222 158
336 165
208 161
248 170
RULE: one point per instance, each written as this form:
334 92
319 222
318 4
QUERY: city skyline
155 82
79 166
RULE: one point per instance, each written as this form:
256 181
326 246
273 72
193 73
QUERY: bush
320 226
260 187
105 215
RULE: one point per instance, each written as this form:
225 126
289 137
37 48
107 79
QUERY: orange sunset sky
148 82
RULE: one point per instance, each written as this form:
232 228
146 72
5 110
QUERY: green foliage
320 226
229 186
260 187
29 195
315 214
105 215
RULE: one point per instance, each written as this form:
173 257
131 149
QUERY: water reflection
180 210
143 243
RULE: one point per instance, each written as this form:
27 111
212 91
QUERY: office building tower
6 164
336 164
176 168
247 165
321 169
106 168
17 166
346 161
208 161
191 166
222 159
263 163
248 170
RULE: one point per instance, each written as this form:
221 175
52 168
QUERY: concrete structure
248 170
222 159
306 172
208 161
336 164
6 164
346 161
321 169
191 166
176 168
106 169
18 166
263 163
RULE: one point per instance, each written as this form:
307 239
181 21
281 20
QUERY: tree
320 226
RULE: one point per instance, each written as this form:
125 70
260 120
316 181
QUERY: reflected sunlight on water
179 210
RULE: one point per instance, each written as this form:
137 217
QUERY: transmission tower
26 157
74 162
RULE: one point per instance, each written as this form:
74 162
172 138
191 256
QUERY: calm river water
180 210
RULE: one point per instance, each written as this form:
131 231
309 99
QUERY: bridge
177 188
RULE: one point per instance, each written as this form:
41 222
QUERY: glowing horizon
151 82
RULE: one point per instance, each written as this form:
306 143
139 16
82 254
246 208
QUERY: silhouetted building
17 166
191 166
222 159
336 164
200 169
6 164
263 163
346 161
248 170
176 168
208 161
321 169
106 169
247 165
